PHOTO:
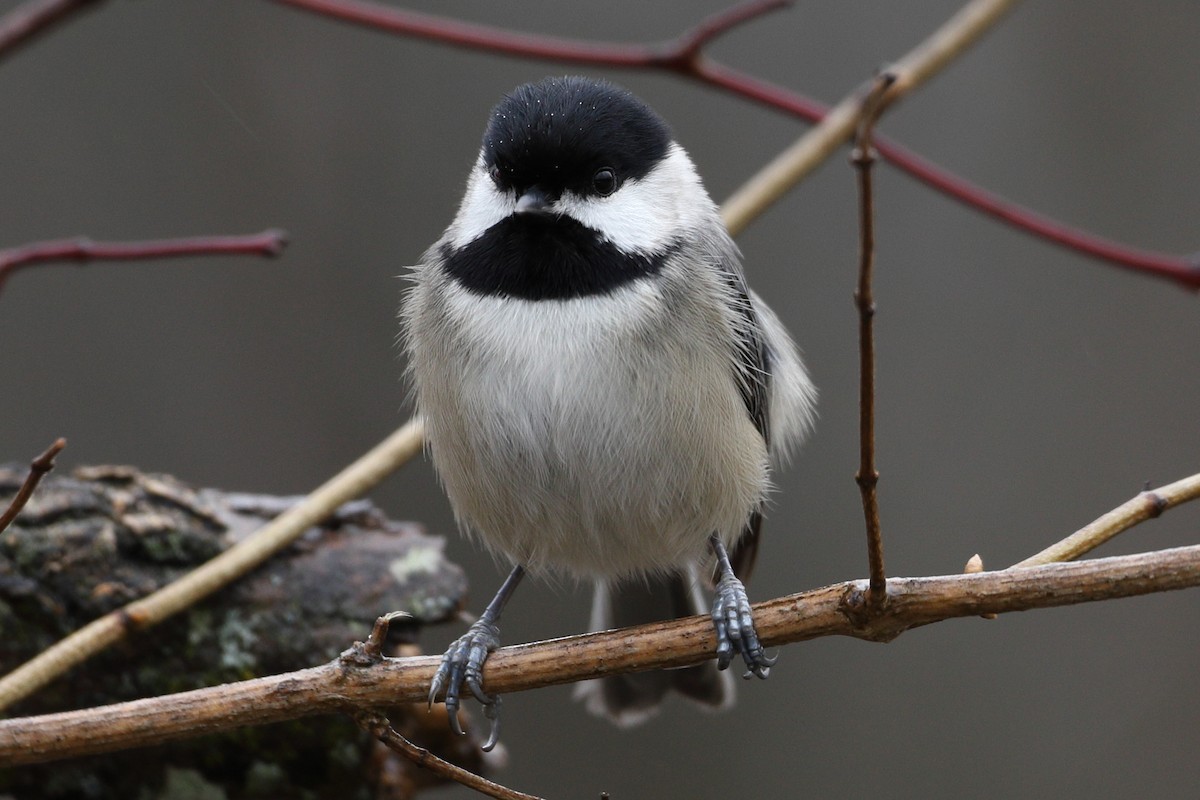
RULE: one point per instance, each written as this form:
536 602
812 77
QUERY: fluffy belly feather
585 459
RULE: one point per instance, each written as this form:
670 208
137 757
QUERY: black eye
497 175
604 181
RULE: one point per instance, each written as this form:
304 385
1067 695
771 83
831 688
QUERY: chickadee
602 395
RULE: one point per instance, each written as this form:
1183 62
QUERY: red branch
683 55
267 243
28 19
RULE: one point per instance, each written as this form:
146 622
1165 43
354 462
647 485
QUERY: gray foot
735 628
463 664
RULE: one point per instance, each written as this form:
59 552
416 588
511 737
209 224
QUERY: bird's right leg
463 662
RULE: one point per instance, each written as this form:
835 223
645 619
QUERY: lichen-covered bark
88 543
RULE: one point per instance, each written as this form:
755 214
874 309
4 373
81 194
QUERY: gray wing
752 371
752 366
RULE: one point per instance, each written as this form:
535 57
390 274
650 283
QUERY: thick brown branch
344 685
37 470
267 243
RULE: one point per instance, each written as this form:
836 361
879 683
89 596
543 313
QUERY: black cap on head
558 132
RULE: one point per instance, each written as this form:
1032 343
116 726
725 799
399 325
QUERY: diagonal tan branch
347 485
1147 505
351 683
812 149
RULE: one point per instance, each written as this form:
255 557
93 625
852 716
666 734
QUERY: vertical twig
37 469
863 158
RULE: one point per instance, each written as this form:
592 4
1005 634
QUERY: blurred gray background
1024 390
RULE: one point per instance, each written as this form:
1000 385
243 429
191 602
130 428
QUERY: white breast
563 443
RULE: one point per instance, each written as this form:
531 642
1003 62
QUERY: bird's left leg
463 662
733 620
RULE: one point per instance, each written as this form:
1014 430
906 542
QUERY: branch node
862 157
127 620
866 610
973 567
370 652
868 481
874 101
684 53
865 305
378 726
275 242
38 468
1158 503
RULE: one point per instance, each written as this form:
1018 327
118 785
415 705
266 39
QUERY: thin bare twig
376 724
267 243
1146 505
37 470
347 485
867 477
344 685
682 55
31 18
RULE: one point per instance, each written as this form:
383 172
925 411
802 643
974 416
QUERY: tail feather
632 699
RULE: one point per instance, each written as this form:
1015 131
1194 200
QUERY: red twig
1184 270
37 469
267 243
28 19
683 55
475 37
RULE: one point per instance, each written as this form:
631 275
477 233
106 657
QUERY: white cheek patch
646 216
482 206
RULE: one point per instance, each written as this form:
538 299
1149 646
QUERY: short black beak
534 201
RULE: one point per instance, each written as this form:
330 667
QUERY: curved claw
734 624
462 664
452 716
435 686
492 712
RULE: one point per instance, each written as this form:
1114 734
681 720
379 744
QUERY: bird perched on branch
603 396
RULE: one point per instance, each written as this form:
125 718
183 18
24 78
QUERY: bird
603 396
